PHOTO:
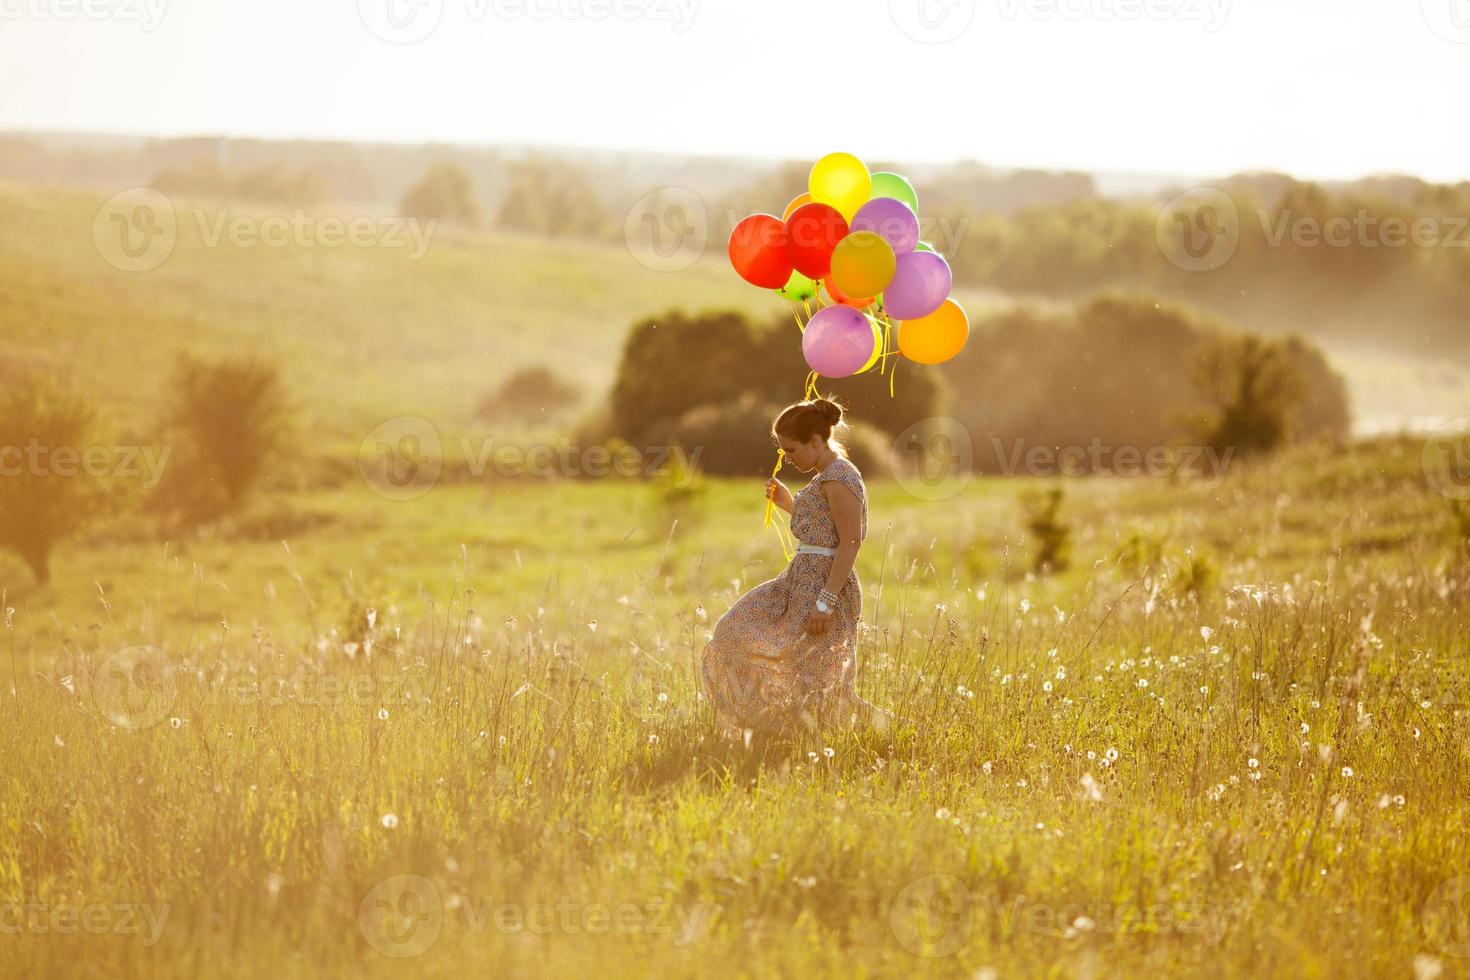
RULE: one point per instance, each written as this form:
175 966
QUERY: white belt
803 548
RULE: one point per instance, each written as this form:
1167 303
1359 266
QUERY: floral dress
762 670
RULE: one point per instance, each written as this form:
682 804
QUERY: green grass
545 755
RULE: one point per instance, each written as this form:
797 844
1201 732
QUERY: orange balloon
841 298
937 337
803 199
863 264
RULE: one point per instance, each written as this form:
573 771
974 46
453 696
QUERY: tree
1253 390
549 197
445 193
45 494
227 420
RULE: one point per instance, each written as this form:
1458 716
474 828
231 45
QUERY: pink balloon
921 283
892 219
838 342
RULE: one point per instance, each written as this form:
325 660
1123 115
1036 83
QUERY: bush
445 193
1053 535
1253 389
1124 371
40 504
530 393
227 421
676 363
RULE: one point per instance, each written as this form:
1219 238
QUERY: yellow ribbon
781 532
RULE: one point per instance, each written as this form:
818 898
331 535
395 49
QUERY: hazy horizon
1206 87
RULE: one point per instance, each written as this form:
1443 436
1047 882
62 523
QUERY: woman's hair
817 417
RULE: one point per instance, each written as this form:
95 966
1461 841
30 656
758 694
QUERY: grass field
1255 767
340 734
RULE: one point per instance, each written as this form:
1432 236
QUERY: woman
785 655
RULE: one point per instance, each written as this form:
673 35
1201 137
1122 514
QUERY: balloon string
781 532
811 387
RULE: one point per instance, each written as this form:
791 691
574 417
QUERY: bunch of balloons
851 247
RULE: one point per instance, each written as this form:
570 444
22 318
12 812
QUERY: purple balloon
893 220
838 341
921 283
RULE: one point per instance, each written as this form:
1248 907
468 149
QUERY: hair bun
831 411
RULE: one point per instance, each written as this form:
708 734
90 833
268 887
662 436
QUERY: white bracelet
823 608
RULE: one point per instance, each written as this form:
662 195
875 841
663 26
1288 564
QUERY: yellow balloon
863 264
843 181
937 337
798 202
877 347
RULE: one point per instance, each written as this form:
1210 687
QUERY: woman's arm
847 515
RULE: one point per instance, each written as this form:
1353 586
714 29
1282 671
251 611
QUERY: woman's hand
776 492
816 622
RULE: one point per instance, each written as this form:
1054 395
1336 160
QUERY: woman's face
803 455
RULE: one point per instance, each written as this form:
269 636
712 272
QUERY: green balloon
887 184
924 247
798 288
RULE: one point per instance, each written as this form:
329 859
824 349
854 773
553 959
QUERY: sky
1316 88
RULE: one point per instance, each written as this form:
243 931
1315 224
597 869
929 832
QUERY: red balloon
812 232
838 296
758 251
